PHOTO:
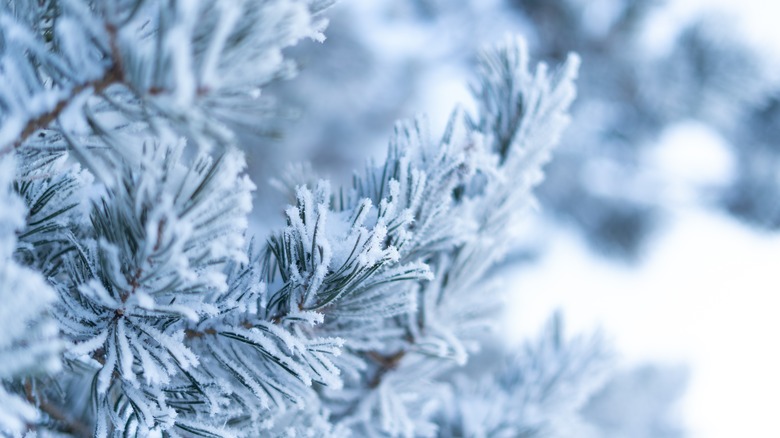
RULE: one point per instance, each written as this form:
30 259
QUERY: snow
228 16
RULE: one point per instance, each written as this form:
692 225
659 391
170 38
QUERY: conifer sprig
131 231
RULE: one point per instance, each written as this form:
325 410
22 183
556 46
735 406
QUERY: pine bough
135 304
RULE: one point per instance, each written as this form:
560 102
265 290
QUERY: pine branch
365 296
484 182
537 391
112 76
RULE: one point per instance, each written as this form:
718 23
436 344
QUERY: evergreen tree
136 300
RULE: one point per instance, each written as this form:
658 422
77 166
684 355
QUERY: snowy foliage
29 342
538 392
136 302
638 403
645 70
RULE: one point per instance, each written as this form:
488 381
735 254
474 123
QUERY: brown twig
386 364
113 75
190 334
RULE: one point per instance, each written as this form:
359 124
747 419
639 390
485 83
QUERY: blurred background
659 217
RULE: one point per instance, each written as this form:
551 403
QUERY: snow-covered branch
128 265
